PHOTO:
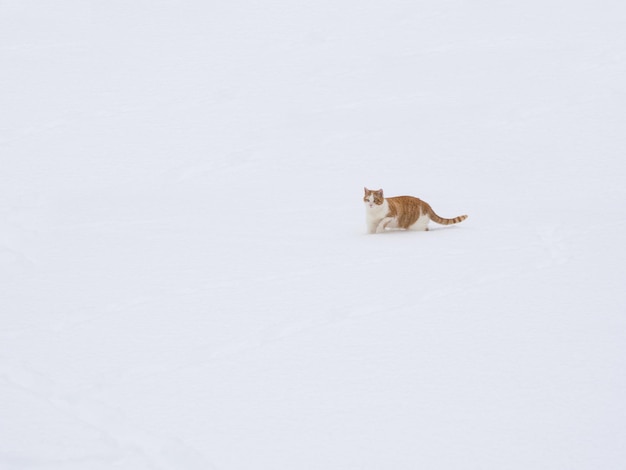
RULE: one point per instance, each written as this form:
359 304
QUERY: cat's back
398 204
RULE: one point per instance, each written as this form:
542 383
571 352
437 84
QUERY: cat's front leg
383 224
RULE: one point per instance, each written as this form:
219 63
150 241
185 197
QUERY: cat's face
373 198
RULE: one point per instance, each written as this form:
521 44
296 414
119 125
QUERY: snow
186 281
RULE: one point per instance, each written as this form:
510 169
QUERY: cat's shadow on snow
430 229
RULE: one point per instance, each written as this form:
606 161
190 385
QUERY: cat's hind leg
421 224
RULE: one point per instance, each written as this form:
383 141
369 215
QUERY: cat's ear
366 190
380 191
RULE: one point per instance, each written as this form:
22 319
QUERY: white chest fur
375 213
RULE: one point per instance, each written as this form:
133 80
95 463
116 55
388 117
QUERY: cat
401 212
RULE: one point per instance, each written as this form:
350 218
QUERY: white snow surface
185 277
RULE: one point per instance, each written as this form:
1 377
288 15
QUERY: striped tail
440 220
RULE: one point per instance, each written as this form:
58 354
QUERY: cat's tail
440 220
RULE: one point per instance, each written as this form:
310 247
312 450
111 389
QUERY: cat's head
373 198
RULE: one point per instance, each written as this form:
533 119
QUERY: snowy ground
185 278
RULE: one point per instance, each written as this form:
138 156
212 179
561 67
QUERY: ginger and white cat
401 212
